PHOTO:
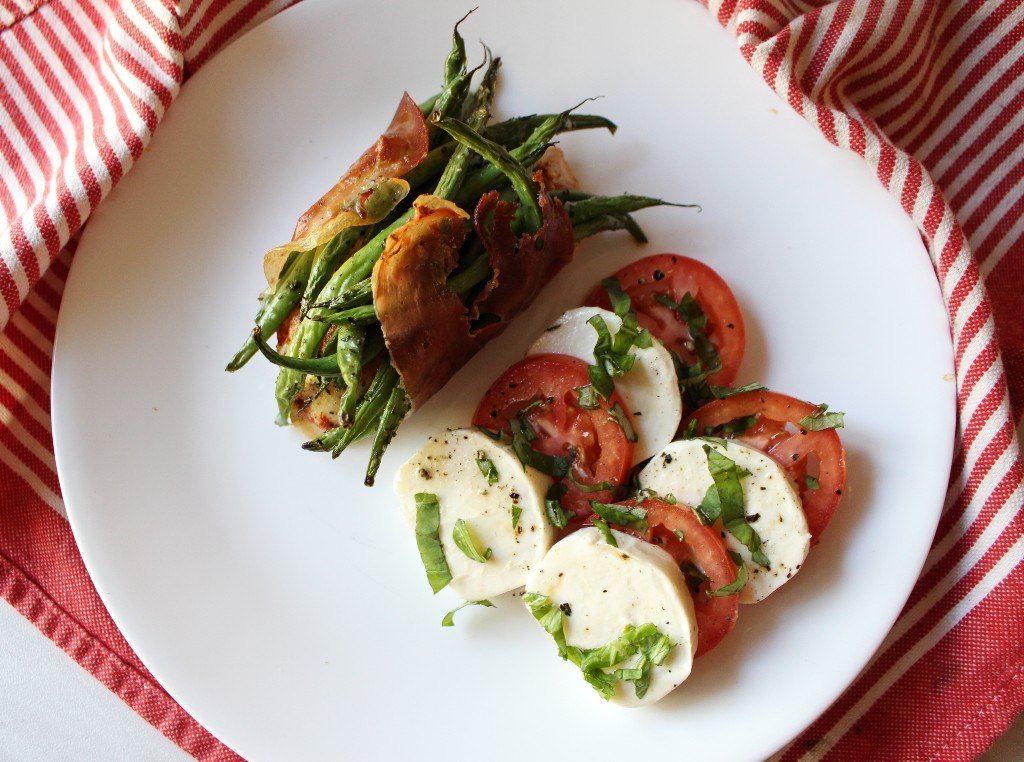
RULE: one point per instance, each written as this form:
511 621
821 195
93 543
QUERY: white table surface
53 710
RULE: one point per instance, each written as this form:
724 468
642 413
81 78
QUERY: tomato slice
674 275
770 422
677 529
543 388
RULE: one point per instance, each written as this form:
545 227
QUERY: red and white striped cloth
930 93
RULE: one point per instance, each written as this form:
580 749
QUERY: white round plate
283 603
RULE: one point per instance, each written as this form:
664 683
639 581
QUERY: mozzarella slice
601 588
649 389
446 466
771 503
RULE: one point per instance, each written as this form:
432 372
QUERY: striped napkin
929 93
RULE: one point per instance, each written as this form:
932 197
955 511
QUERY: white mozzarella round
601 588
771 503
508 516
649 389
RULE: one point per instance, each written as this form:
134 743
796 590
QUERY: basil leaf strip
735 427
634 517
466 542
726 495
617 414
557 514
611 353
737 584
643 648
487 468
522 436
606 532
694 575
620 299
449 618
723 392
587 397
696 321
820 420
428 540
550 618
693 383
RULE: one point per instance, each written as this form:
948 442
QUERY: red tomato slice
776 430
702 547
544 387
674 276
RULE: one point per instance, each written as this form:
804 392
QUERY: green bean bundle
446 190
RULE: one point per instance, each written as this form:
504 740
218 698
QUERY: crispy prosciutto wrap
367 192
430 333
418 256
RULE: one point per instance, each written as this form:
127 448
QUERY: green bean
309 334
326 367
327 258
391 416
582 209
339 338
338 439
361 293
480 112
361 314
430 167
475 271
278 306
516 130
499 157
353 274
607 223
457 79
349 357
527 153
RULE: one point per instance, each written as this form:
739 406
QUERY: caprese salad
617 480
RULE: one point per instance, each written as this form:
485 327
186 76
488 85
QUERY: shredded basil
620 299
811 482
558 515
633 517
724 499
428 540
462 534
641 648
517 511
694 575
588 398
595 487
449 618
606 532
522 437
487 468
617 414
643 493
550 618
821 420
737 584
724 392
735 427
690 431
612 352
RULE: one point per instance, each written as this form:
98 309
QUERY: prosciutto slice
429 331
367 192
